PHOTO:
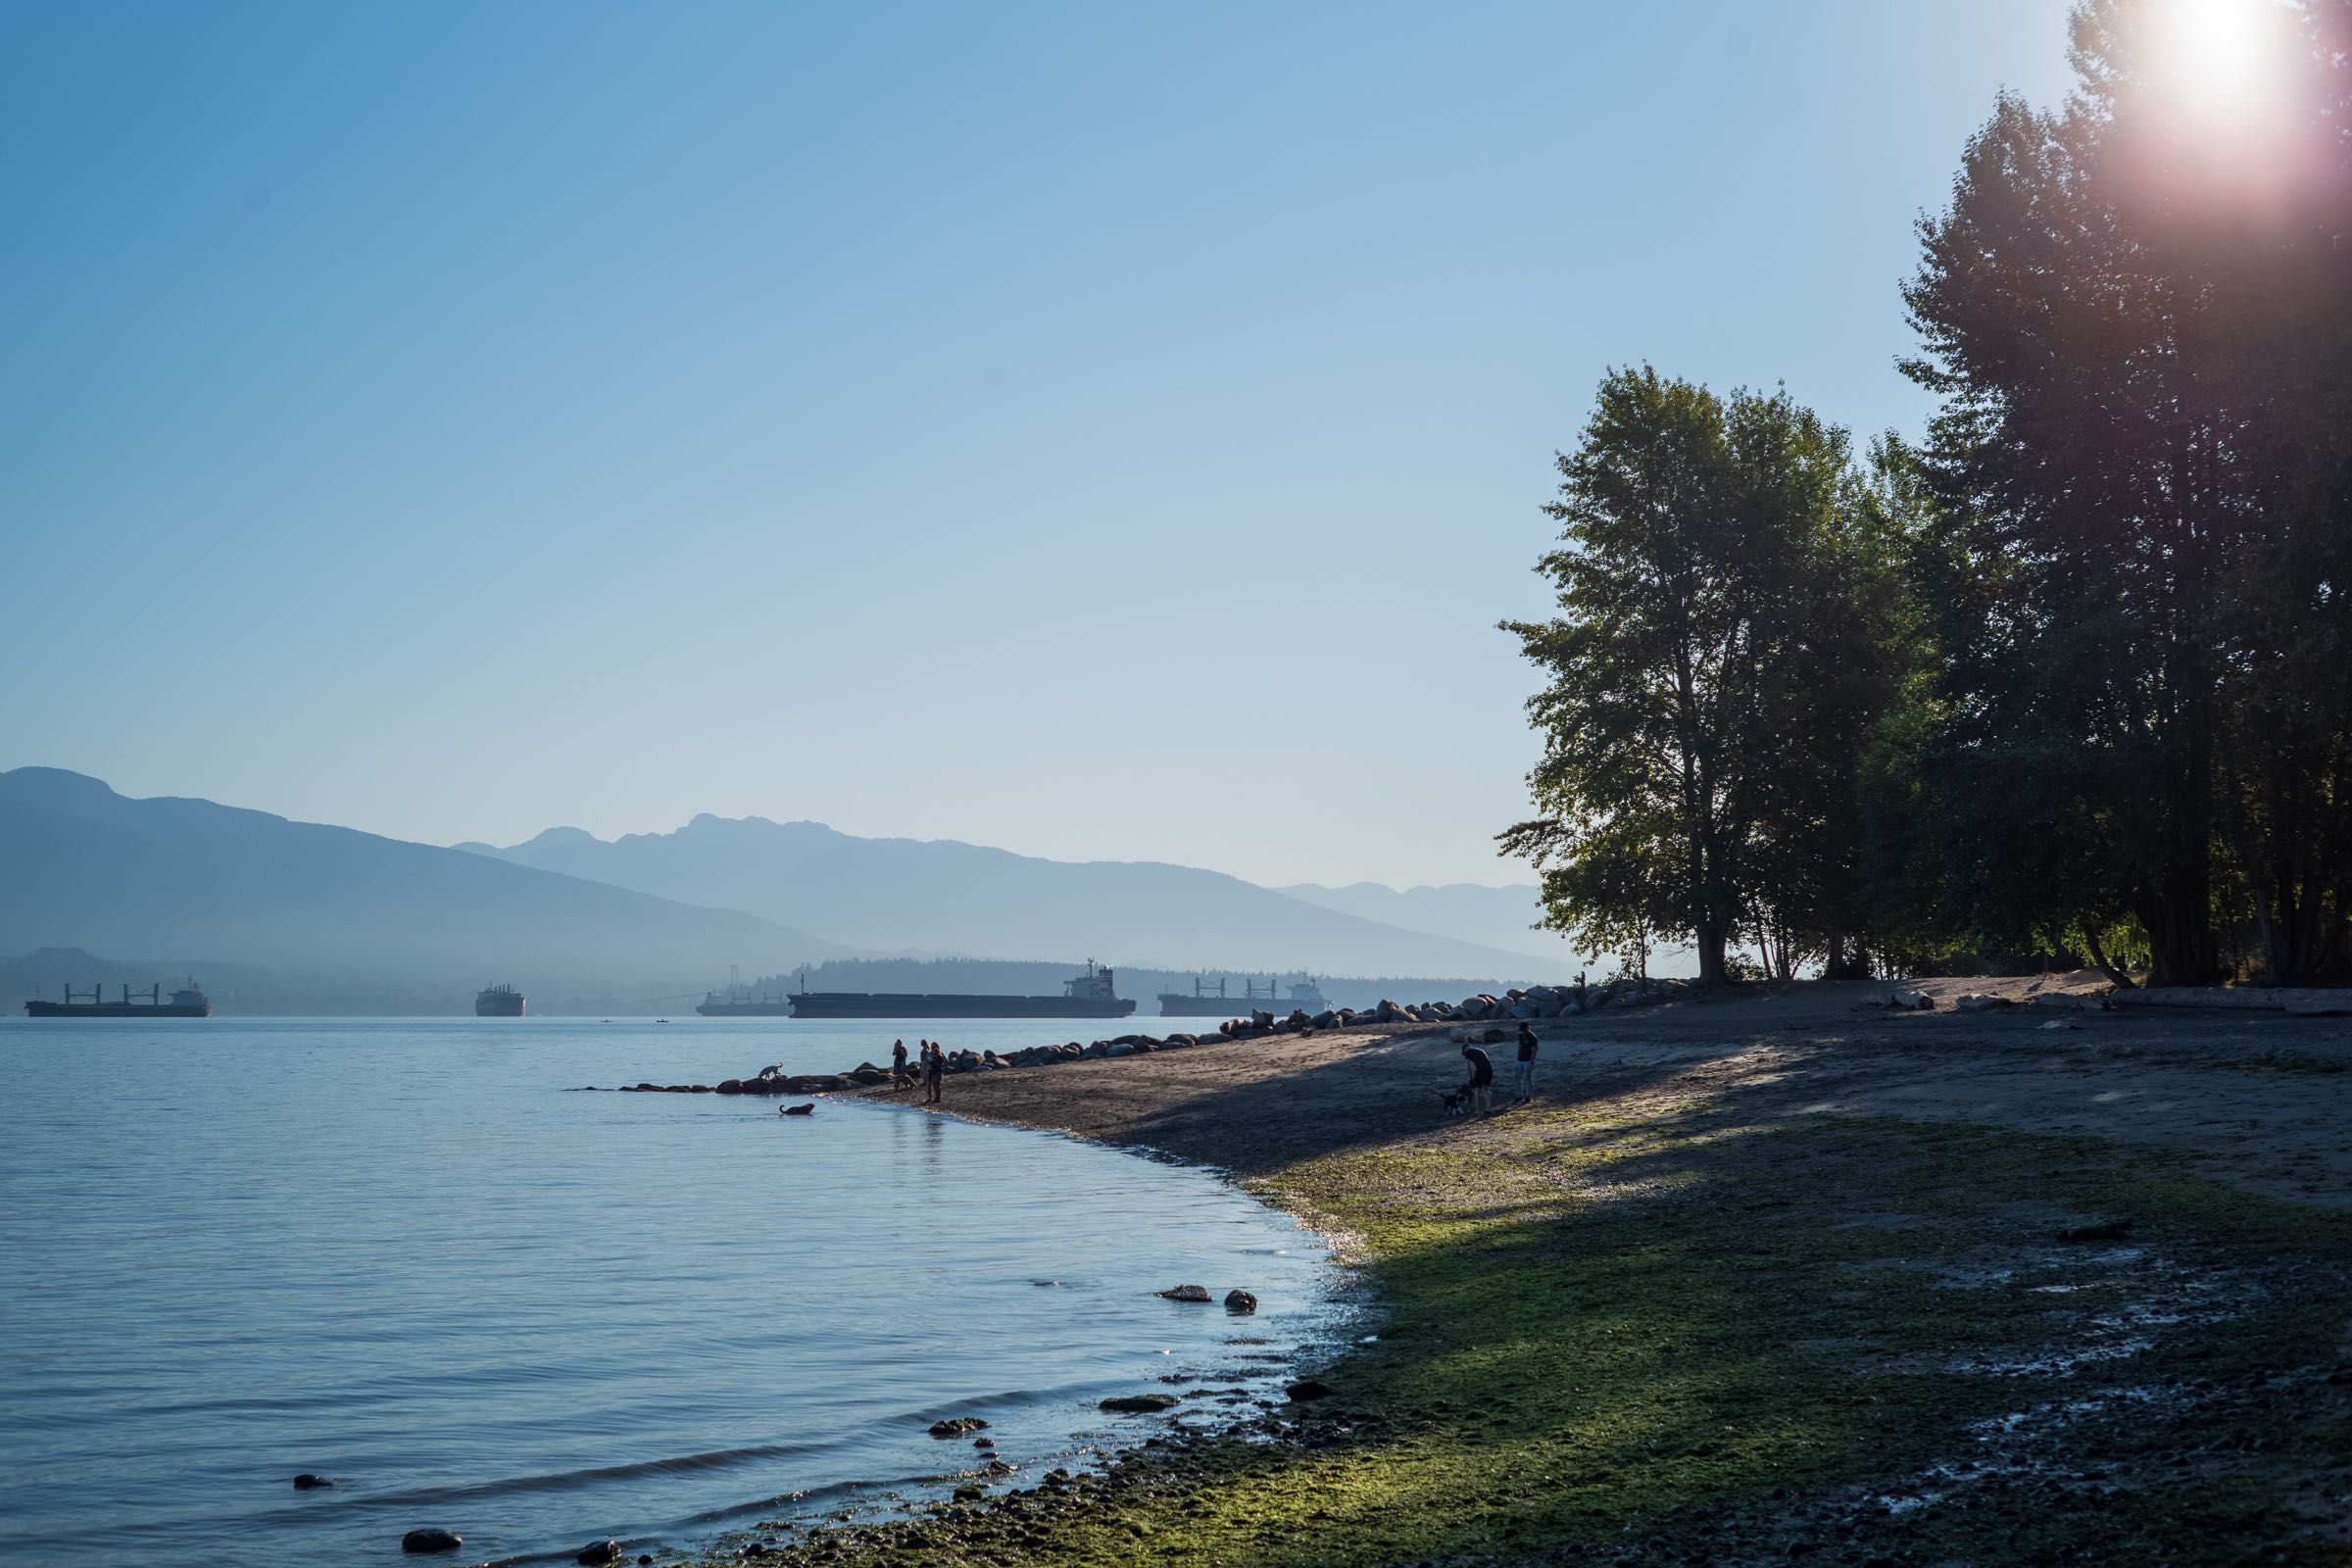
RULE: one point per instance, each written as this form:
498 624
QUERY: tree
2140 459
1706 694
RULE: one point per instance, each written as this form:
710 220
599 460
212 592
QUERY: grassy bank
1646 1329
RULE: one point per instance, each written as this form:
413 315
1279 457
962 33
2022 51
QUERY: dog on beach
1453 1102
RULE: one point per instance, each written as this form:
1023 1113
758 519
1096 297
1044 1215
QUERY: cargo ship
1086 995
1303 997
498 1001
741 1001
186 1003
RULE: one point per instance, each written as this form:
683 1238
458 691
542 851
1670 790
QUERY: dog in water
1453 1102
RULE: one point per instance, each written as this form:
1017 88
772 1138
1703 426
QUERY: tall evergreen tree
2140 542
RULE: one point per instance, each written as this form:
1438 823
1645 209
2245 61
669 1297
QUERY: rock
1976 1002
804 1109
1912 1000
983 1443
1309 1389
429 1539
730 1086
957 1426
2111 1230
1139 1403
307 1482
1185 1293
970 1492
597 1552
1240 1301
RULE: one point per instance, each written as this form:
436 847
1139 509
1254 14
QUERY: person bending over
1482 1080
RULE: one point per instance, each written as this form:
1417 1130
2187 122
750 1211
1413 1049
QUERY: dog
1453 1102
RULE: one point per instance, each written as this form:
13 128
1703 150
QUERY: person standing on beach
935 1070
1482 1080
898 1064
1526 1064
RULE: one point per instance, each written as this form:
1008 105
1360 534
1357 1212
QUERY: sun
2218 61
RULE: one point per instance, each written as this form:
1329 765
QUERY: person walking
1526 1084
898 1064
1482 1080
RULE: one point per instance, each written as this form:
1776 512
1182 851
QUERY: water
395 1252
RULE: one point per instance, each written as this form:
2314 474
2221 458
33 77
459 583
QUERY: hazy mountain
83 866
943 896
1467 912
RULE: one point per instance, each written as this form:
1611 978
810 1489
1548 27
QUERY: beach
1782 1277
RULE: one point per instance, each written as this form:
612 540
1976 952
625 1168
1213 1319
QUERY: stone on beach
1139 1403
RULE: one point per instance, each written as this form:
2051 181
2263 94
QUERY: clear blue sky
1104 432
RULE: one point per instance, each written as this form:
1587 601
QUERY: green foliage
2136 548
1714 674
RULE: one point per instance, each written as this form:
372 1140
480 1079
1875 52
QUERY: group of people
931 1062
1482 1074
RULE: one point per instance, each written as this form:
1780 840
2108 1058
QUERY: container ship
1088 996
498 1001
1256 997
187 1003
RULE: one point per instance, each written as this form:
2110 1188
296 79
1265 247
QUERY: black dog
1455 1102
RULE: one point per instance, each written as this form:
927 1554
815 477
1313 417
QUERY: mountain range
318 912
944 897
82 866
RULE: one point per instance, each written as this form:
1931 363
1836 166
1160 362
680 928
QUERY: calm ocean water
398 1253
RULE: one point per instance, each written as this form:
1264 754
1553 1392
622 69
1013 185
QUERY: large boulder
431 1540
1185 1293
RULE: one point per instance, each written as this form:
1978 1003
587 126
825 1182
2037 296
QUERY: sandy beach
1775 1278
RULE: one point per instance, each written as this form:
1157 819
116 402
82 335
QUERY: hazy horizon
1026 427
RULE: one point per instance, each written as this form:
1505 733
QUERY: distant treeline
2072 676
993 977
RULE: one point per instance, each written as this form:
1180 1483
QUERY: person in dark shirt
935 1070
1526 1064
1482 1080
898 1064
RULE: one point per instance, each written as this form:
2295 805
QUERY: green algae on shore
1669 1330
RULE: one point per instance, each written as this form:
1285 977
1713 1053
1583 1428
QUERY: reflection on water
396 1253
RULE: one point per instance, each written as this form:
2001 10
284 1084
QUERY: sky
1109 433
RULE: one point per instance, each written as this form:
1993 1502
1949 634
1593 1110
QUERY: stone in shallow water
958 1427
1139 1403
1240 1301
599 1552
1185 1292
307 1482
431 1540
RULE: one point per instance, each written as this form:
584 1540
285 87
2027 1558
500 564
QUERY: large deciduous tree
1708 683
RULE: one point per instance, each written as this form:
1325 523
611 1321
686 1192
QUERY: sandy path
2261 1099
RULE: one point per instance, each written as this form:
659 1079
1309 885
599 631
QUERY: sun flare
2220 60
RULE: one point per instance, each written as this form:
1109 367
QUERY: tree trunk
1711 935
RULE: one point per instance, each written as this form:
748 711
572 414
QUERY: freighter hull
115 1009
905 1004
1178 1006
745 1010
